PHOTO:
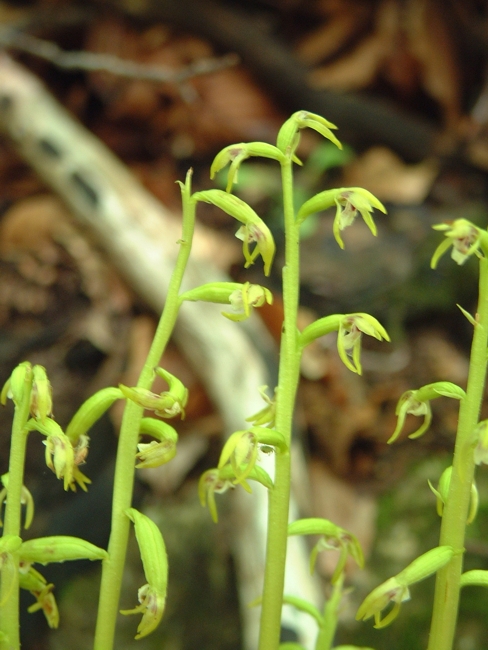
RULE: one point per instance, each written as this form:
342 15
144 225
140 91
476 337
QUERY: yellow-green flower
332 537
350 202
463 236
396 589
235 154
351 329
243 300
417 402
219 480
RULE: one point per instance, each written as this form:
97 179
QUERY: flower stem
279 496
113 567
327 632
9 613
456 509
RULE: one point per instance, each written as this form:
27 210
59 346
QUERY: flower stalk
127 448
9 612
456 508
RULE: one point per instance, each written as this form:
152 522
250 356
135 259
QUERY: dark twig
91 61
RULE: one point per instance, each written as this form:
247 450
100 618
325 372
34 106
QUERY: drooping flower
219 480
265 246
332 537
235 154
152 595
33 581
350 202
463 236
167 404
417 402
396 590
241 449
351 329
246 298
253 229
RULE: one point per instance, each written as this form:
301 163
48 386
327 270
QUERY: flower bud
19 380
289 134
25 499
41 405
442 493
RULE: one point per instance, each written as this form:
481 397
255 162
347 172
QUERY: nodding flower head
396 589
245 298
265 246
351 329
350 202
417 402
235 154
463 236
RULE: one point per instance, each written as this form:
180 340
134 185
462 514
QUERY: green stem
9 613
279 496
331 613
129 434
456 509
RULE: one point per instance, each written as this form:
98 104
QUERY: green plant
268 430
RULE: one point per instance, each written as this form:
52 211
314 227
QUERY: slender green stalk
9 613
456 509
287 384
327 632
127 447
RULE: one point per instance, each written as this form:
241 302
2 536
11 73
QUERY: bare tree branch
20 41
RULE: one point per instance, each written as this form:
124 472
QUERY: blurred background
164 85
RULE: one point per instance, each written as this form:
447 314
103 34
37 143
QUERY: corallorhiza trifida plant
269 429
